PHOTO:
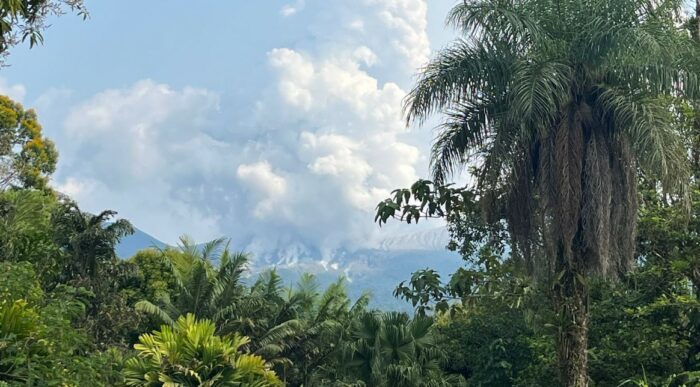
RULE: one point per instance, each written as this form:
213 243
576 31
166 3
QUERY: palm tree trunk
695 153
571 302
697 19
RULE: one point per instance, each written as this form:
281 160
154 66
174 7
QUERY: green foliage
188 353
670 234
390 349
558 107
27 158
86 244
637 327
25 19
110 317
17 324
489 344
86 240
154 279
301 328
38 344
685 379
19 282
26 230
297 329
200 288
643 328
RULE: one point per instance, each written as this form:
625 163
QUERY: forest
579 228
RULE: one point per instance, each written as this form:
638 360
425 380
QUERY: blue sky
267 121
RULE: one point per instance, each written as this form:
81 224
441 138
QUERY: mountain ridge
377 270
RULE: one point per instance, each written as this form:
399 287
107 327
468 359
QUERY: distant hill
378 271
139 240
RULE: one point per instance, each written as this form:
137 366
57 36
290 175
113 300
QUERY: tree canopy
577 122
559 107
27 158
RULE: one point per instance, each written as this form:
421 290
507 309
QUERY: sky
266 121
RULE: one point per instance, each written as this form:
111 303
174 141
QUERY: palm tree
218 294
328 321
269 315
190 354
86 239
294 328
301 328
390 349
558 105
201 288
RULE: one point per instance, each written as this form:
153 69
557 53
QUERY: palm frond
467 128
496 21
459 73
153 310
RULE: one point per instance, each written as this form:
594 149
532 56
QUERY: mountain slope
377 271
137 241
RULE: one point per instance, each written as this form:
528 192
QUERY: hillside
377 271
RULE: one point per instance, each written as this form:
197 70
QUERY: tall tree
296 329
300 326
390 349
200 288
86 244
697 17
87 239
558 105
27 158
26 230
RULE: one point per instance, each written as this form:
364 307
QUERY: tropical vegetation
577 123
560 108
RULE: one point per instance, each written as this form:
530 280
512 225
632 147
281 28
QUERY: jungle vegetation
580 231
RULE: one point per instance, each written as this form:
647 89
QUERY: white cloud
263 181
294 88
291 9
16 92
288 10
143 127
314 87
144 151
406 19
325 142
75 188
365 55
393 29
351 142
53 97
